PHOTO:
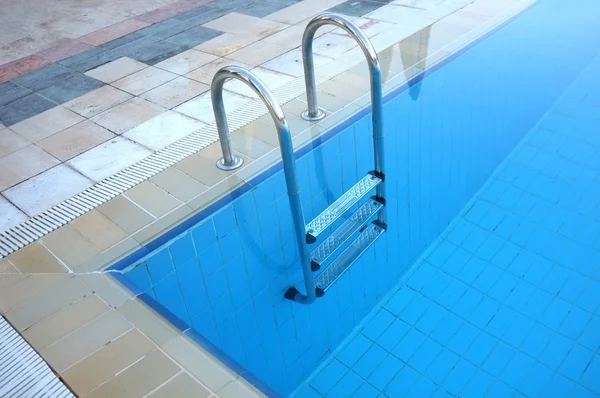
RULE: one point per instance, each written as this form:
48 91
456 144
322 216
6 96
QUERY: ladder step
342 263
344 232
340 206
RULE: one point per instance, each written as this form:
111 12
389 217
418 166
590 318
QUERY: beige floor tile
291 63
17 289
246 25
69 246
202 170
163 130
116 70
226 44
78 345
49 302
201 108
23 164
153 199
45 124
273 80
258 53
127 115
148 322
400 15
97 101
339 90
6 267
178 184
186 61
105 363
35 259
139 379
11 142
57 184
248 145
109 158
292 37
126 214
199 363
144 80
107 288
265 132
65 321
238 388
175 92
206 73
163 224
333 45
302 10
99 230
75 140
182 386
11 215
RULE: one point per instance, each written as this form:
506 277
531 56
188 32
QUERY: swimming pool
221 276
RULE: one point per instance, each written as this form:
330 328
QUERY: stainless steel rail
231 161
314 113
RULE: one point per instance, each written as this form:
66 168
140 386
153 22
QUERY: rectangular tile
159 27
225 44
194 36
158 329
64 49
46 123
75 140
178 184
21 66
98 229
144 80
109 158
24 108
245 24
58 183
116 69
64 321
152 199
126 214
108 289
10 92
71 88
97 101
127 115
181 386
11 142
356 8
44 77
139 379
175 92
121 41
156 52
86 340
76 59
23 164
113 32
258 53
49 302
107 362
202 14
264 8
186 62
200 108
17 289
206 73
163 130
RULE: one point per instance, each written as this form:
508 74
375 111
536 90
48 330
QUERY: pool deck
97 336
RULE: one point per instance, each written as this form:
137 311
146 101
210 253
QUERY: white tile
144 80
45 190
290 63
333 45
163 130
272 79
186 62
11 216
45 124
109 158
245 25
404 16
201 107
11 142
97 101
116 70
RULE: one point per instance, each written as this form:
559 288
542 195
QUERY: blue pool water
504 302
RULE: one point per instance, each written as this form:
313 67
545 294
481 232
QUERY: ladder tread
345 231
341 205
344 261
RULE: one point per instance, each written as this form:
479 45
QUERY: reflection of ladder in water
334 254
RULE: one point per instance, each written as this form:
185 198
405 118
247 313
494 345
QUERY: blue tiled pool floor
506 303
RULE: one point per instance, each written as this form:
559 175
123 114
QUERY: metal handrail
231 161
314 113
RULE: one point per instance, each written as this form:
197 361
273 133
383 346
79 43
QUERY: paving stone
121 41
203 14
193 37
71 88
157 52
24 108
356 8
264 8
79 58
159 27
174 30
44 77
10 92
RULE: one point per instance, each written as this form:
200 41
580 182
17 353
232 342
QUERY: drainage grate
23 373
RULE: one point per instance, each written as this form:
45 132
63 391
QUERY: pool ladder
337 253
